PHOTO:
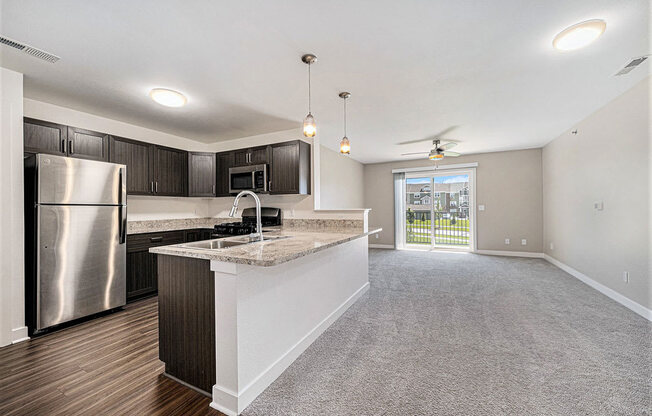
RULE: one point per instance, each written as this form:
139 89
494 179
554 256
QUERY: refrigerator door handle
122 224
122 215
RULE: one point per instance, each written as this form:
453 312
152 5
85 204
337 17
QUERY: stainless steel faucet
258 235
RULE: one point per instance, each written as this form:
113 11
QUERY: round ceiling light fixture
579 35
168 98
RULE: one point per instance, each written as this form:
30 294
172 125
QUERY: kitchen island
232 319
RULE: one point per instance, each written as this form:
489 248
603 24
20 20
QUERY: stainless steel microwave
249 178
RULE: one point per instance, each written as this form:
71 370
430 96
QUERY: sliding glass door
438 210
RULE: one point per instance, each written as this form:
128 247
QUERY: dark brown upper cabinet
45 137
252 156
290 168
224 161
170 171
201 174
88 144
135 155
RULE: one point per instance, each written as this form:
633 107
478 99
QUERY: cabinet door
241 157
193 235
87 144
290 168
170 171
141 274
44 137
259 155
136 156
225 160
201 174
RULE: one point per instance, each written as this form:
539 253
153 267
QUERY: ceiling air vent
632 64
35 52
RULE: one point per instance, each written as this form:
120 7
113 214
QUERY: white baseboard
387 246
19 335
623 300
510 253
232 403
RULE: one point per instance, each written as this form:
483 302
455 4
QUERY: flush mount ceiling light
345 145
309 126
168 98
579 35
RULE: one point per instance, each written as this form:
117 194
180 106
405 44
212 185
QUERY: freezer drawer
81 262
69 181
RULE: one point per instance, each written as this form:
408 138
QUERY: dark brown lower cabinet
142 278
186 316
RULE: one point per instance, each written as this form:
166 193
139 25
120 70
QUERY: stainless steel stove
270 217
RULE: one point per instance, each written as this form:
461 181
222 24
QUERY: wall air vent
632 64
35 52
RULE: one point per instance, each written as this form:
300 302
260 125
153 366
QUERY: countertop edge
177 251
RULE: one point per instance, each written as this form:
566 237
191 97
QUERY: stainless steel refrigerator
75 251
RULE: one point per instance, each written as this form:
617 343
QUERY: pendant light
345 145
309 126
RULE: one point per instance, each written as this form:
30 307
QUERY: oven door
248 178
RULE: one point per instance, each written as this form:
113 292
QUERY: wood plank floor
107 366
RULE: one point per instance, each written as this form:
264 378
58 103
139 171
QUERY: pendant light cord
345 117
309 94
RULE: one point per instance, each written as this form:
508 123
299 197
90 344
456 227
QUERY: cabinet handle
156 187
63 146
156 239
213 189
71 146
152 186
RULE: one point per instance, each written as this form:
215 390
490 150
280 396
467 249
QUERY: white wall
609 160
342 181
12 292
508 184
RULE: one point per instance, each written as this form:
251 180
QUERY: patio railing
449 229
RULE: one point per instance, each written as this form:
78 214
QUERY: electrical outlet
626 277
523 242
507 241
377 236
598 205
552 246
480 207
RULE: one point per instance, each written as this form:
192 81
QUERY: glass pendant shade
345 146
309 126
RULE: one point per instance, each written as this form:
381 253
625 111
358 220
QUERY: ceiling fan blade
446 131
414 153
448 153
416 141
433 137
448 146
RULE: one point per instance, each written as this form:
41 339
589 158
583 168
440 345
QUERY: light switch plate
626 277
507 241
598 205
523 242
480 207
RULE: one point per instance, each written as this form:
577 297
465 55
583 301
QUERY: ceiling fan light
309 126
345 146
434 155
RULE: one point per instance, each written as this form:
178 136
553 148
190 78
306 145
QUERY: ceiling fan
438 152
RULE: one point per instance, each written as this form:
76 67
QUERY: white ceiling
413 67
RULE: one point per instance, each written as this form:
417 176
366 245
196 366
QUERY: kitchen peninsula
233 315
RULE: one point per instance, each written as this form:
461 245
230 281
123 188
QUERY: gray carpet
464 334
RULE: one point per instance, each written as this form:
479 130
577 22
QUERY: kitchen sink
226 243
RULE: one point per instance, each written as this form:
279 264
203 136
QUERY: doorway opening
438 210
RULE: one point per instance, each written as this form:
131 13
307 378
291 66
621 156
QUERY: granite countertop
271 252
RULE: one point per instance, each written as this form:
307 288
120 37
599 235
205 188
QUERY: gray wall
342 184
609 161
509 184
